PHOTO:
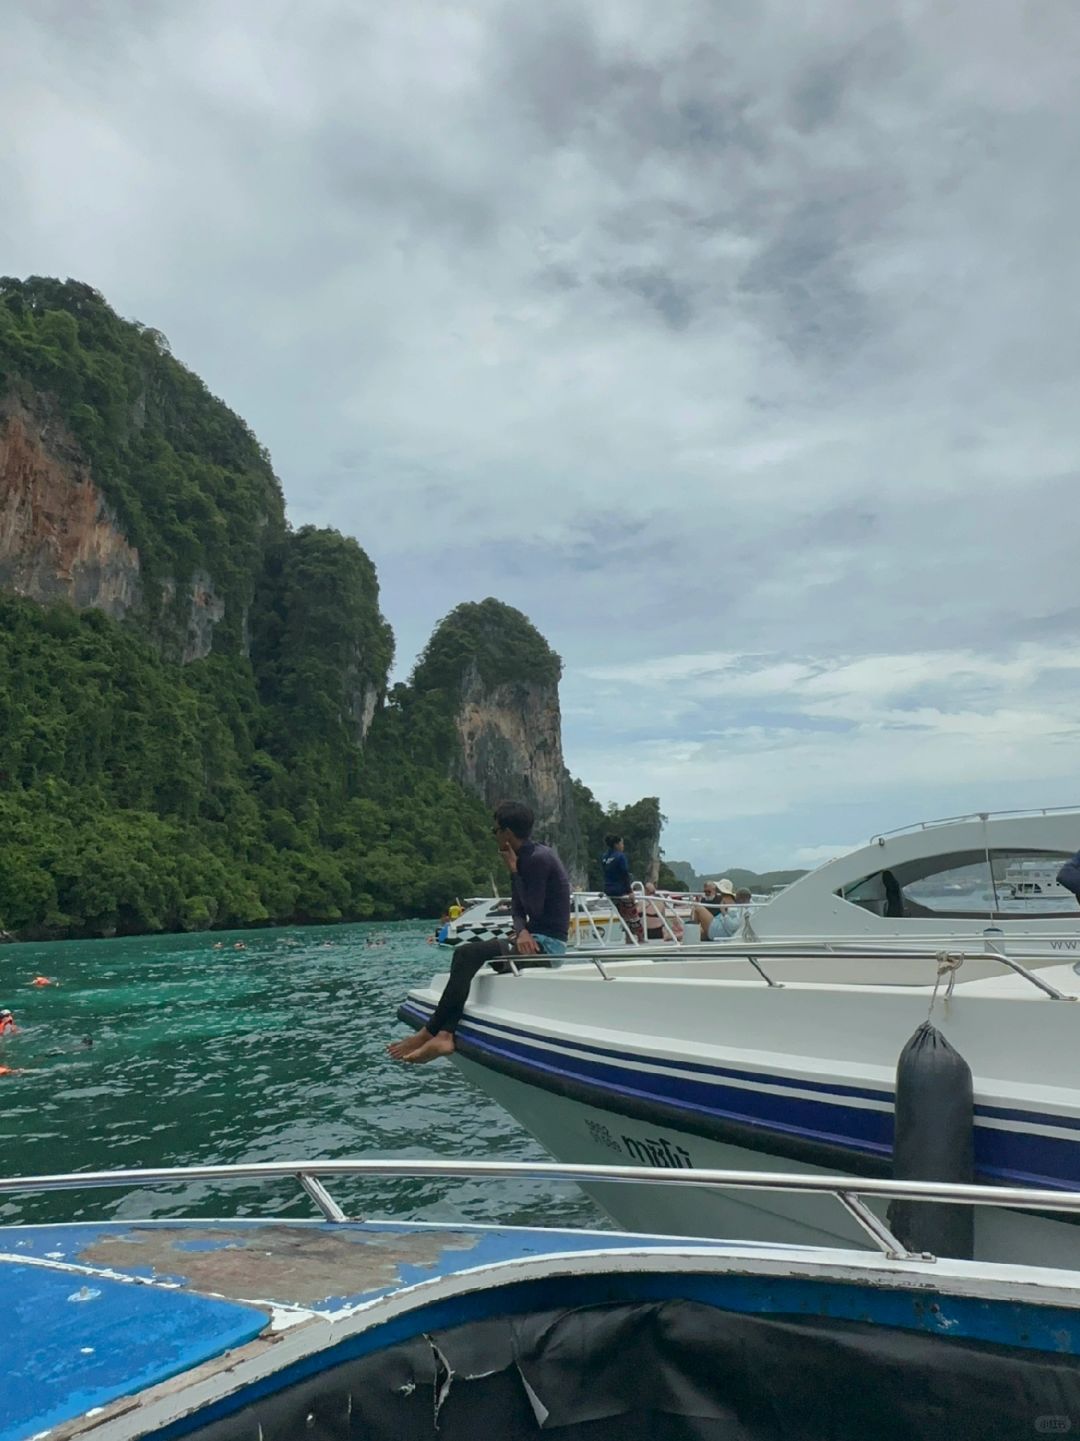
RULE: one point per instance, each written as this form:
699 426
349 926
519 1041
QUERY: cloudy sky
737 343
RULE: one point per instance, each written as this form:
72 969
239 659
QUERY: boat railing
596 925
972 816
947 958
849 1192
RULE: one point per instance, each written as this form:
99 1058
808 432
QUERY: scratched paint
302 1265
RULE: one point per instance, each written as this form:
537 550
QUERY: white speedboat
774 1060
266 1329
938 878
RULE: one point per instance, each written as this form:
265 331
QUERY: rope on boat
947 965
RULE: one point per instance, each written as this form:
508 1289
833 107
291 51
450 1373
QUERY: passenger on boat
7 1023
656 912
1069 875
540 905
721 924
711 897
617 884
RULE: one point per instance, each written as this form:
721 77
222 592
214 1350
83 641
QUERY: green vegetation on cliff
139 794
639 825
190 485
272 778
498 641
491 673
321 652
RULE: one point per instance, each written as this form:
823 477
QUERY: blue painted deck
71 1342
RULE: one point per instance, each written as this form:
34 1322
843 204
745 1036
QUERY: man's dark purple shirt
540 893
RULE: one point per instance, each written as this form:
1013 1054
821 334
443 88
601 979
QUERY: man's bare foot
440 1045
400 1049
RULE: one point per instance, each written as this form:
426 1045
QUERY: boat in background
936 878
1037 881
595 924
344 1329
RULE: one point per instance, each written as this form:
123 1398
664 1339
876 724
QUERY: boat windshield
966 884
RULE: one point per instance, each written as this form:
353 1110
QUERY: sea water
243 1046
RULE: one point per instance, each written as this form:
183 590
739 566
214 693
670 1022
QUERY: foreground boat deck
97 1312
262 1329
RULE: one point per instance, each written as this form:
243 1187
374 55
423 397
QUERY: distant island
196 724
759 881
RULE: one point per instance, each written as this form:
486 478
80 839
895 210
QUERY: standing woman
617 884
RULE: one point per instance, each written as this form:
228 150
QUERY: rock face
61 541
364 701
204 609
648 864
511 749
58 538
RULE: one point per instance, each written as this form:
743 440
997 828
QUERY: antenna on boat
985 818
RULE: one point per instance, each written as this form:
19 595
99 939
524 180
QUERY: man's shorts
552 952
551 947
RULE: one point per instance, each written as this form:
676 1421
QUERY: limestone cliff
59 539
141 524
500 681
639 824
321 648
511 749
125 486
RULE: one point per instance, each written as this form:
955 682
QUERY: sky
737 344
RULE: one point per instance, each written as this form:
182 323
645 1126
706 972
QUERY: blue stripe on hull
705 1099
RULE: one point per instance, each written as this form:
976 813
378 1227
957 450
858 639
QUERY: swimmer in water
239 946
7 1023
43 981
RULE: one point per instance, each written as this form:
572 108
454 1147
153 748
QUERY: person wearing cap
7 1022
719 916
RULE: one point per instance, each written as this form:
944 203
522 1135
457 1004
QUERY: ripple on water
208 1056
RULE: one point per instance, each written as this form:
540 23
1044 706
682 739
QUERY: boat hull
792 1076
574 1131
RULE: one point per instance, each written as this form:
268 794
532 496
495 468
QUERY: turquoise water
206 1055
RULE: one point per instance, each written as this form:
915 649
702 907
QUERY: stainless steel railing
973 816
849 1192
944 957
